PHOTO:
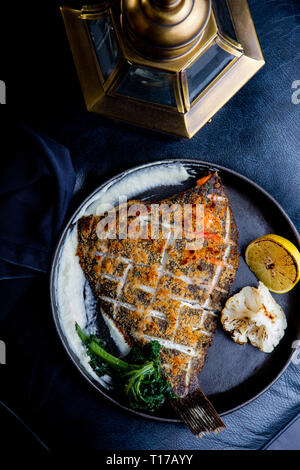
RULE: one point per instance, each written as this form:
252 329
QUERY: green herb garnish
140 379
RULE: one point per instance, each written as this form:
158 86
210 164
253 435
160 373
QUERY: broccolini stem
93 346
82 335
113 361
136 376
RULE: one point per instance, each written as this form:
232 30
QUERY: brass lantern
168 65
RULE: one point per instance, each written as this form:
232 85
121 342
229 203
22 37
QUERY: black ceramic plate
232 374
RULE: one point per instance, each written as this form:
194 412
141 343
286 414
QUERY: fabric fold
36 185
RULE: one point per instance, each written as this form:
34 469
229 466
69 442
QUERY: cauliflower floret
253 314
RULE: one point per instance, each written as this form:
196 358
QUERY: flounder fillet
157 289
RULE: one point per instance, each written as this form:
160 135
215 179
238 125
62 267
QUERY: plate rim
61 238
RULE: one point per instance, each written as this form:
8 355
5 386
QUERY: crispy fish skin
159 290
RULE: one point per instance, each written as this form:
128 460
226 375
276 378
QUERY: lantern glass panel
223 18
148 84
206 68
105 43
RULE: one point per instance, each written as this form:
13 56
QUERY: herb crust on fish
157 289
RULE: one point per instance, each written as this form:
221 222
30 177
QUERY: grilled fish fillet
157 289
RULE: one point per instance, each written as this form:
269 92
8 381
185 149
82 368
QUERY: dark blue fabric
287 438
257 134
36 184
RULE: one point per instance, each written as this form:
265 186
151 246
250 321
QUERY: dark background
257 134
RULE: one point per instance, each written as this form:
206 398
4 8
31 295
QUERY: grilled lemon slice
275 261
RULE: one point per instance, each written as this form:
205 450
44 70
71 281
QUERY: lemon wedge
275 261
